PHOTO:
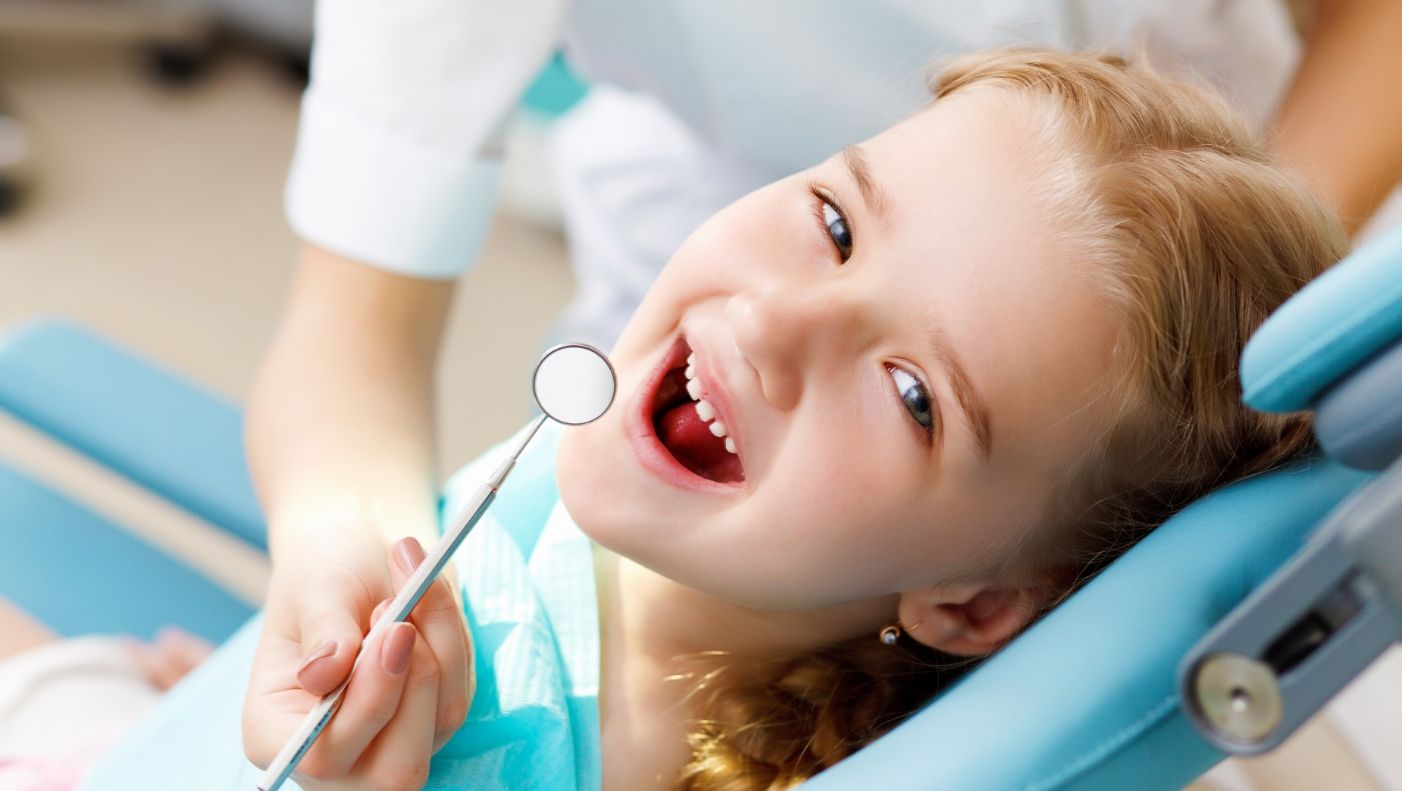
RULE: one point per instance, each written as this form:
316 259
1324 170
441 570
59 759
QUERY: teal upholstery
76 570
1344 318
78 573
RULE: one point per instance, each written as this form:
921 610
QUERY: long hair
1195 235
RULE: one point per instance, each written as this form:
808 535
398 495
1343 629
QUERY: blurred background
143 153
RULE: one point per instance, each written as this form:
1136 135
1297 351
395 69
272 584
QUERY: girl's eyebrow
875 198
974 409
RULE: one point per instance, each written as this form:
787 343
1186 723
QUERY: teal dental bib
527 578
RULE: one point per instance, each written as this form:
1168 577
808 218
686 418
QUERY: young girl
873 420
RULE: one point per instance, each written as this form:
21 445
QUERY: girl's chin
588 480
568 471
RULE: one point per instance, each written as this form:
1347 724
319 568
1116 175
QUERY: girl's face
899 353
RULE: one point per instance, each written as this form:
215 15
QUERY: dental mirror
574 384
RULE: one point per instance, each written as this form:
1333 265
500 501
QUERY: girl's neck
665 620
659 639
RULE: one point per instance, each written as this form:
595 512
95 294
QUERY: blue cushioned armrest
1087 699
78 573
155 428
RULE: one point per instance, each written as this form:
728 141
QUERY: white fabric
407 97
633 181
67 699
399 145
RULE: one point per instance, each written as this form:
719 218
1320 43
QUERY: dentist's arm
339 434
397 160
1341 121
340 419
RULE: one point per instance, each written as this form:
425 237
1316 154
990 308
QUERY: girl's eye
838 231
915 396
834 223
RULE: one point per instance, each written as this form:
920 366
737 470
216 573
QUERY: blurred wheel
176 63
14 150
10 194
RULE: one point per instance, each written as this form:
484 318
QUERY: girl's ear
974 619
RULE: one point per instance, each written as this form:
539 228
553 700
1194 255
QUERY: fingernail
398 647
409 554
323 649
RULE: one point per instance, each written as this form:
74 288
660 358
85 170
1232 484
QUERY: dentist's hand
410 693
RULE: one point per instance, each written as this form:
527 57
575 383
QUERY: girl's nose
790 335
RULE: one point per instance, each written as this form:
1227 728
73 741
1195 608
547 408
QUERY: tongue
691 441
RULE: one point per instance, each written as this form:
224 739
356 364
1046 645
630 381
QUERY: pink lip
651 453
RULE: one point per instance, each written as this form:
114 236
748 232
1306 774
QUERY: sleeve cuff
379 196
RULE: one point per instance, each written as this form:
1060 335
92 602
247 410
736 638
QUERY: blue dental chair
73 569
1089 698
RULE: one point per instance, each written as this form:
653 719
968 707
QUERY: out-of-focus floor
156 219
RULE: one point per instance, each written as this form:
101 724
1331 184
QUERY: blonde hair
1196 235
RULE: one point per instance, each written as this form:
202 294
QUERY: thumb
331 638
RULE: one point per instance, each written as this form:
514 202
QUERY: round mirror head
574 384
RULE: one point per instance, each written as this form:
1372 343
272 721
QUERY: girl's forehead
964 133
954 185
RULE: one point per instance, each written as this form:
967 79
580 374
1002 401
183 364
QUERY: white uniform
398 155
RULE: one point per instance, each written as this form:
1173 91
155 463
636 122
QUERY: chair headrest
1336 323
1087 698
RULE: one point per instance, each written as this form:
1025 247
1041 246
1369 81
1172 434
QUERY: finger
440 621
185 650
330 634
369 703
153 665
276 703
399 757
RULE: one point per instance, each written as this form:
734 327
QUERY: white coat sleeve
399 147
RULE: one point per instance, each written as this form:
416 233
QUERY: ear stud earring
890 634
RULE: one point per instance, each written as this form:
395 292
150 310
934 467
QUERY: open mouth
688 424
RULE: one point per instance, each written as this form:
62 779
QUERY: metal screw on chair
1239 696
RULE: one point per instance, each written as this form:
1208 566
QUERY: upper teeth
704 409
